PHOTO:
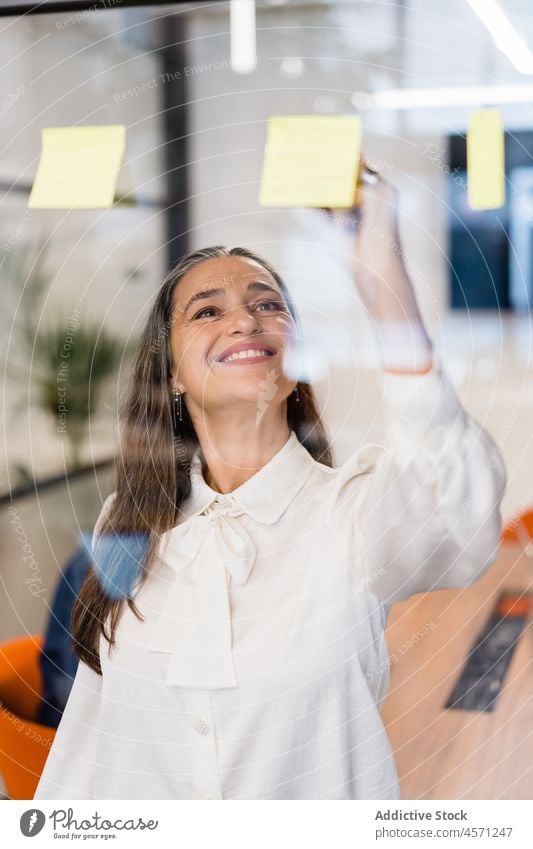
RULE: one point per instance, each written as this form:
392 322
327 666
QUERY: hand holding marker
382 280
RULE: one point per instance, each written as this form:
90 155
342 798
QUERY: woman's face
223 310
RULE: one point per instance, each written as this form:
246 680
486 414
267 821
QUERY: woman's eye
201 314
273 305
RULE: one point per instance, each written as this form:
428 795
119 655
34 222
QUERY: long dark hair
152 477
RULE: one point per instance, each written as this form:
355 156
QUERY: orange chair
24 744
519 529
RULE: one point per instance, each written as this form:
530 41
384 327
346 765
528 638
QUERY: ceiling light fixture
243 49
505 36
434 98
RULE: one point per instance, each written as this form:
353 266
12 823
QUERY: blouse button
200 725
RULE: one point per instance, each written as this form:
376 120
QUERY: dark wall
479 240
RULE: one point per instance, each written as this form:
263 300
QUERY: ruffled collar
264 496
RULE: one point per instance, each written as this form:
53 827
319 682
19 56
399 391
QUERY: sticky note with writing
79 167
485 160
311 160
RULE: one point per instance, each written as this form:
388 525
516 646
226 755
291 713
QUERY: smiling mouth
251 355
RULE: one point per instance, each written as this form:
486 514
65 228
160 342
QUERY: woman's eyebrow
257 286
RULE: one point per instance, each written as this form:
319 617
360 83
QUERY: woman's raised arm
424 509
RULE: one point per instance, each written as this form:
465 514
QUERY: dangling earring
177 407
295 390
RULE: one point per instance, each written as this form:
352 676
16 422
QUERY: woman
241 653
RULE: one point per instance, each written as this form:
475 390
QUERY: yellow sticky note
79 167
311 160
485 160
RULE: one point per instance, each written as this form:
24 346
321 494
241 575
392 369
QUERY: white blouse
261 666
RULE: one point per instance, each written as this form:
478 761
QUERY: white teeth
242 355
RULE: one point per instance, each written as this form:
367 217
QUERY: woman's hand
381 276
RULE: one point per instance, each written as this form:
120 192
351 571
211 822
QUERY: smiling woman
219 413
233 328
239 652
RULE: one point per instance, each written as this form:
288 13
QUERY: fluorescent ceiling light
434 98
505 36
243 53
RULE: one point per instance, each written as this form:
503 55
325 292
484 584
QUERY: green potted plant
64 366
69 377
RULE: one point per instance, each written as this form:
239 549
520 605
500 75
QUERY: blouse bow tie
195 622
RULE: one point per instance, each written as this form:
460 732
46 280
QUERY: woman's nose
243 319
